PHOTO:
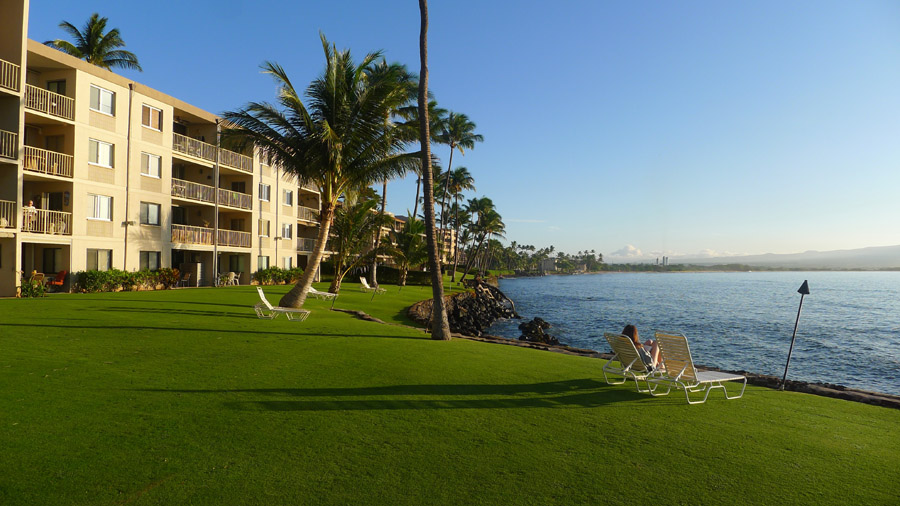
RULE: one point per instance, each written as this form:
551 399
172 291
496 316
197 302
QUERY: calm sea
849 330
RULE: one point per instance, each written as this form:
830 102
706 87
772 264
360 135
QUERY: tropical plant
410 128
353 228
94 46
460 180
458 133
440 326
488 224
338 140
410 250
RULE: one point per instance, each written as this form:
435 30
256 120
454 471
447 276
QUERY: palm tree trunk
416 204
455 243
444 198
440 327
471 262
374 277
297 296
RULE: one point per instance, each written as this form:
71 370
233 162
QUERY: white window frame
150 126
96 207
148 255
260 260
263 228
112 153
288 198
287 231
265 192
94 254
146 158
147 206
288 262
103 92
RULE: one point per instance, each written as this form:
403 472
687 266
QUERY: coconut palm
94 46
459 134
410 128
440 327
460 180
488 225
339 140
353 228
410 250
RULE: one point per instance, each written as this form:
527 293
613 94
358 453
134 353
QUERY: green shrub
277 275
168 277
114 280
32 288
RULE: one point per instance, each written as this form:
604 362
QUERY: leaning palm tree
94 46
353 228
410 250
459 134
440 326
338 139
460 180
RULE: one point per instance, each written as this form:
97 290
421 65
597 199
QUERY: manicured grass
185 397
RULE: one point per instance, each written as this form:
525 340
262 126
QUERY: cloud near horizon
631 253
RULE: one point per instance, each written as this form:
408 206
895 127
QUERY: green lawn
185 397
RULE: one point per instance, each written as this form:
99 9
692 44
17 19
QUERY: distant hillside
865 258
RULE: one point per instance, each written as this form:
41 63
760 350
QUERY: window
264 228
236 263
101 153
288 198
103 100
262 263
264 191
57 87
150 260
288 262
150 165
149 213
151 117
286 229
100 207
99 259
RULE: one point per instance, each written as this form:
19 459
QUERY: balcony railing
236 160
41 221
7 214
307 214
235 199
304 244
206 151
234 238
310 186
186 234
48 102
9 75
192 191
48 162
9 144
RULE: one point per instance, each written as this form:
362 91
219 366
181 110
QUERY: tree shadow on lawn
301 331
192 312
582 393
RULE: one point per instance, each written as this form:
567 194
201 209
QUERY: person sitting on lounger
649 351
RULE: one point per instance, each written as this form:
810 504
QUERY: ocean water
849 330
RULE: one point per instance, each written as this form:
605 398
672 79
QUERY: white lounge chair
680 372
273 311
322 295
625 354
366 288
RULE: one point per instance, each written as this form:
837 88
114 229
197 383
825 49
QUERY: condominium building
98 171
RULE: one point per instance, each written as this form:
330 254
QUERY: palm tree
440 327
459 134
487 224
353 227
338 141
410 250
460 181
410 127
96 47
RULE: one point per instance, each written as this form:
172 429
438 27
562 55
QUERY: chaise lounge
291 313
629 362
680 371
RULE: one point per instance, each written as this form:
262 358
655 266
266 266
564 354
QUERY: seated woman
651 357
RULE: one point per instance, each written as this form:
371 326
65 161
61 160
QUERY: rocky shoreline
471 313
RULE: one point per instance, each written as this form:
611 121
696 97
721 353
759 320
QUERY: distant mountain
865 258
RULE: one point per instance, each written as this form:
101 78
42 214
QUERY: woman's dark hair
631 331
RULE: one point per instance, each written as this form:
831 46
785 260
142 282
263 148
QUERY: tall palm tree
460 180
410 127
459 134
338 140
94 46
440 326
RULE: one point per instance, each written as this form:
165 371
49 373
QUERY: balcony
190 190
309 186
304 244
48 162
7 214
235 199
307 214
9 144
206 151
234 238
9 76
49 102
186 234
41 221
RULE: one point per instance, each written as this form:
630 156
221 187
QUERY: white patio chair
364 286
680 372
273 311
630 365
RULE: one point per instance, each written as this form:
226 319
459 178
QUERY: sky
635 129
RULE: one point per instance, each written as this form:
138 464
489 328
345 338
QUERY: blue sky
674 128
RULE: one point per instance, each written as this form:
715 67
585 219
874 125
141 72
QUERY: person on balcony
29 214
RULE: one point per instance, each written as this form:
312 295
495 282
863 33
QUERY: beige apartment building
99 172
